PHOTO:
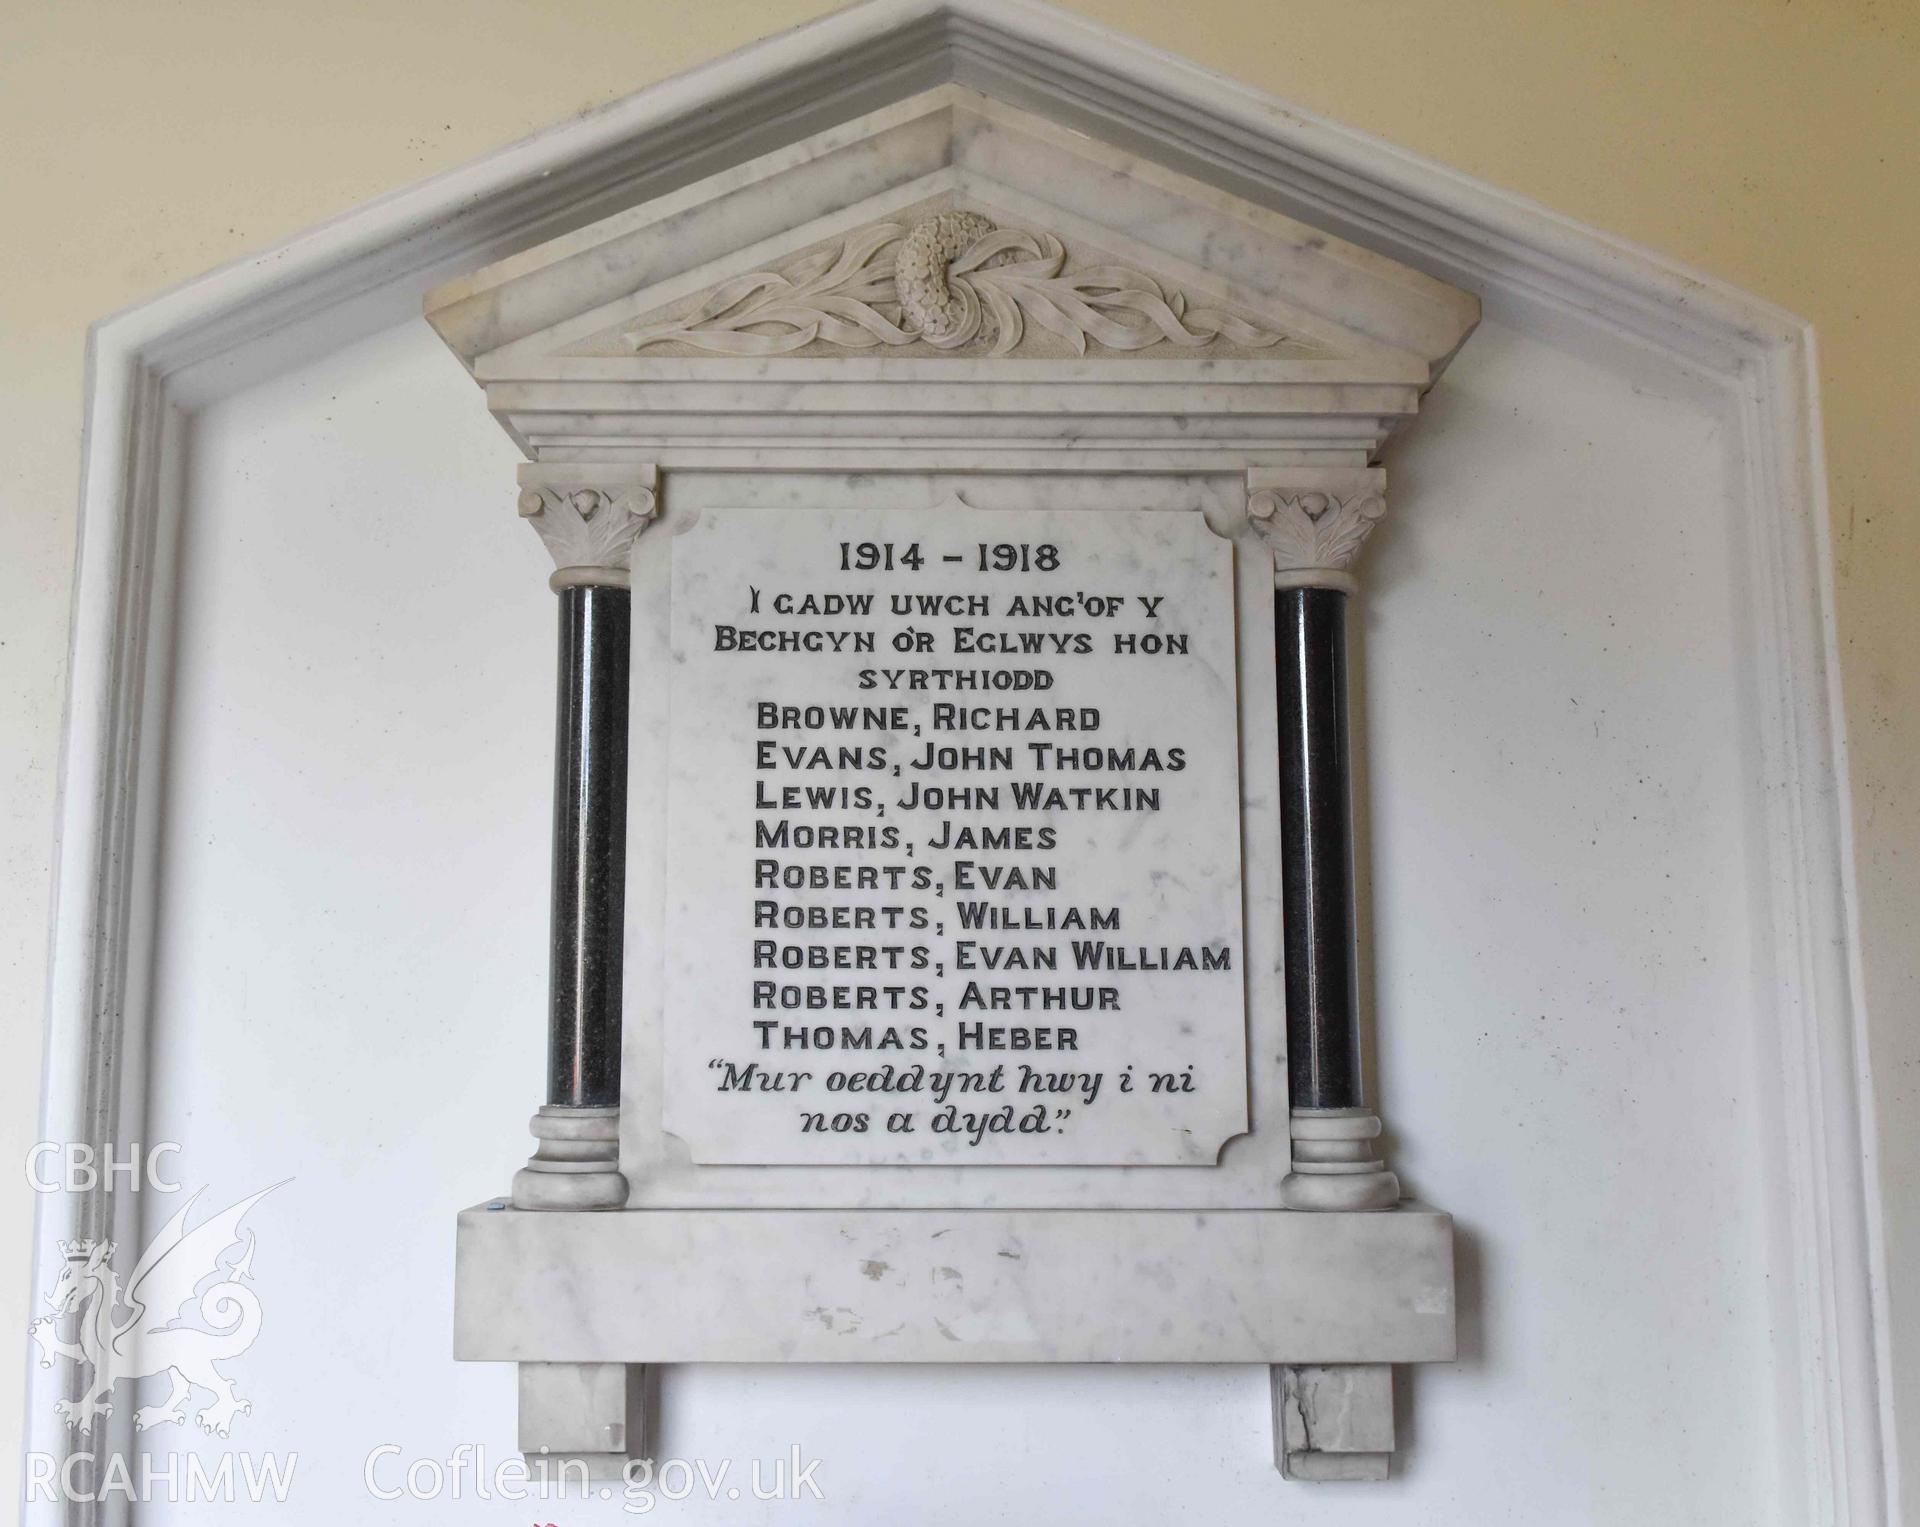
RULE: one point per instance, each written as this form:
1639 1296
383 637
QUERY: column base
577 1163
1334 1168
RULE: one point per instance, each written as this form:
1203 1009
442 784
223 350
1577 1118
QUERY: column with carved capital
589 517
1315 520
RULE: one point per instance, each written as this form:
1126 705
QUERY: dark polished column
589 517
589 849
1316 831
1315 520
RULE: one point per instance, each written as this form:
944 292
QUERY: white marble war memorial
955 513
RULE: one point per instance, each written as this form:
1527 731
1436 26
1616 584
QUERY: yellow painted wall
1773 143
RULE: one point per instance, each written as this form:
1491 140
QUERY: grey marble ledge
1062 1285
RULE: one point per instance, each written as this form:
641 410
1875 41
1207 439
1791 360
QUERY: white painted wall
1572 1043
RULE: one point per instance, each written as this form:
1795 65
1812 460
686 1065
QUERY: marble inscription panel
954 843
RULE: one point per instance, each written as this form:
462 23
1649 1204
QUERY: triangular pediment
945 272
589 292
946 237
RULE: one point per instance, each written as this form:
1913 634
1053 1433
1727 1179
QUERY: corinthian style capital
1315 519
589 516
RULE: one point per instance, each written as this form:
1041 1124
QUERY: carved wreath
950 279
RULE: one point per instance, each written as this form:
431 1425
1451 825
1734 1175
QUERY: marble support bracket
1333 1422
593 1418
1315 522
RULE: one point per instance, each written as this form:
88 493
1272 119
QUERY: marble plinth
906 1286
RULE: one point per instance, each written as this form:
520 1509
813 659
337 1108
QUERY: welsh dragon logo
143 1330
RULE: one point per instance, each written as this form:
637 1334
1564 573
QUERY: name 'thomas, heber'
968 1036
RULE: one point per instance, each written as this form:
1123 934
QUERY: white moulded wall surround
302 871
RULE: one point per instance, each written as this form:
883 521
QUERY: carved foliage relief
589 527
1314 531
948 281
